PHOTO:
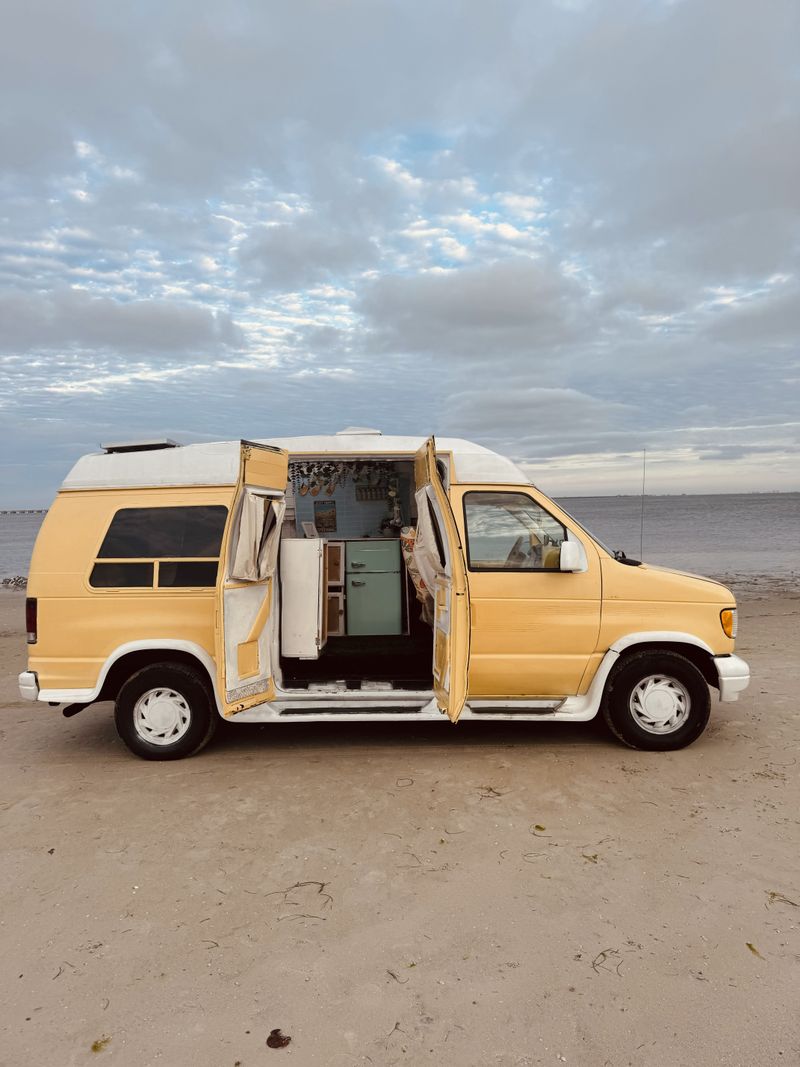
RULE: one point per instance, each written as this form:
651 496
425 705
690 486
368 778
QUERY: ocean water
17 535
754 536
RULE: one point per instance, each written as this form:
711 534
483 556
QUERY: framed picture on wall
325 516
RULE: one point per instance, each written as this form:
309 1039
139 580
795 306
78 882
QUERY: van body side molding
87 696
583 708
732 671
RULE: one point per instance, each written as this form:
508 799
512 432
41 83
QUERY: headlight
728 619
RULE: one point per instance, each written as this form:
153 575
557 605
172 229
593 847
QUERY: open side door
246 578
446 575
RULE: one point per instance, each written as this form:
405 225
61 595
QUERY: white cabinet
303 607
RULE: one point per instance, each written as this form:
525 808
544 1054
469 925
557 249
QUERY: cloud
67 318
574 234
304 253
534 413
518 305
764 320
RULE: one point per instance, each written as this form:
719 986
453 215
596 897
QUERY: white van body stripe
337 704
658 637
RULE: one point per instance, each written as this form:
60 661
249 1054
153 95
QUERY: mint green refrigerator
374 587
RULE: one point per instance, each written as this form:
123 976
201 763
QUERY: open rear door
246 577
440 541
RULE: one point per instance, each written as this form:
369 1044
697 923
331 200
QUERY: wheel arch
694 650
132 657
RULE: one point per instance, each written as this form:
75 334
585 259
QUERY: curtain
426 553
256 549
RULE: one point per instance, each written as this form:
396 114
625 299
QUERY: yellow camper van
355 577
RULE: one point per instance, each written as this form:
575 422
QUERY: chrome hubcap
660 704
161 716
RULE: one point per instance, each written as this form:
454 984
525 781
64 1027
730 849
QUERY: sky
565 229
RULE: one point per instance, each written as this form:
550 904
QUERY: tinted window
158 532
185 575
510 531
122 575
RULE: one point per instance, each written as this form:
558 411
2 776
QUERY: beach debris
488 792
605 961
409 866
404 783
536 829
402 981
18 582
591 858
770 773
277 1039
774 897
753 949
100 1044
295 896
396 1029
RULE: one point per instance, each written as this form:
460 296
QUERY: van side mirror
573 557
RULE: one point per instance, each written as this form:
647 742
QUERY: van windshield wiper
620 557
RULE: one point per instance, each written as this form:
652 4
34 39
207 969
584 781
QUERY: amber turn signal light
728 620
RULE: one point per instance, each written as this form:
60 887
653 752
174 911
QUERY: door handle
358 583
355 564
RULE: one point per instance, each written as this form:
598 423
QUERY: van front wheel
164 712
657 701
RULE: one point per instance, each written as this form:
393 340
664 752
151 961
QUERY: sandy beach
477 895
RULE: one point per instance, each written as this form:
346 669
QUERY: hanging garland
314 476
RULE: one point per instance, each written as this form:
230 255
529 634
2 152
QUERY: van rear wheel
165 712
656 701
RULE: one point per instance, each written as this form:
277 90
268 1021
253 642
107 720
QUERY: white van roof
217 463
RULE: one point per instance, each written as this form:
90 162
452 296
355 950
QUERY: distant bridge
25 511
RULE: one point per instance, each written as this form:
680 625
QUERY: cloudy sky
566 229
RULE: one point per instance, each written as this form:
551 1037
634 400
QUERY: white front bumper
734 676
29 685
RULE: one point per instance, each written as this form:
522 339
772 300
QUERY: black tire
674 675
198 715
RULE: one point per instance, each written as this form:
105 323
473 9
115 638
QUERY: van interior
354 608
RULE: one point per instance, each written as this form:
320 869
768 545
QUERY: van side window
511 532
122 576
191 532
172 547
